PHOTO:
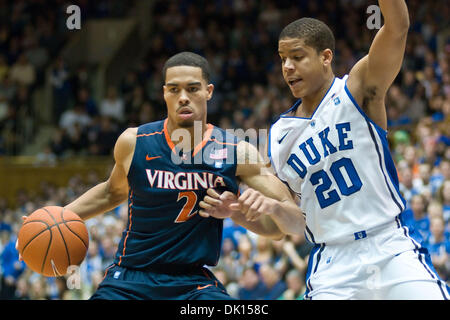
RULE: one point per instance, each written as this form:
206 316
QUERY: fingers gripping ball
51 239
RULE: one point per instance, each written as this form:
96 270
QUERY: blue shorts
122 283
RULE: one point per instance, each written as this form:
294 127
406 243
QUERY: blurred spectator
295 286
81 81
264 252
421 219
59 142
274 285
102 136
444 196
251 288
59 79
438 246
11 267
422 182
37 55
406 184
113 106
85 99
46 157
4 67
23 72
73 119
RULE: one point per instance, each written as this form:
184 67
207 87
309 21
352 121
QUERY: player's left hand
217 205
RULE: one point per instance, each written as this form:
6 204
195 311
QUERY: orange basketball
51 239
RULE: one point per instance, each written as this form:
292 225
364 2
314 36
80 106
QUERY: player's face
304 70
186 94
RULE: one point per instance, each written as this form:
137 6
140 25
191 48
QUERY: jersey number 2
186 212
331 197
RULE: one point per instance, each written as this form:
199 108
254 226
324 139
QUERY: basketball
51 239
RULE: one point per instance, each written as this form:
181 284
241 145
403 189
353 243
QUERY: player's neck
311 102
186 138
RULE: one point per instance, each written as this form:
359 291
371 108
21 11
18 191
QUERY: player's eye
173 90
193 89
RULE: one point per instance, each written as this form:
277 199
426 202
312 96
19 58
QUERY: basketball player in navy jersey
166 242
331 149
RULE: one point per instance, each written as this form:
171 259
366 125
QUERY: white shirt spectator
113 106
74 117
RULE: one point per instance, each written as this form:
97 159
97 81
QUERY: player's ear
327 57
210 89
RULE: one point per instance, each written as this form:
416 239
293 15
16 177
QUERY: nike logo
282 138
151 158
203 287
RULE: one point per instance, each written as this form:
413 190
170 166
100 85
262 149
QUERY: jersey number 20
327 198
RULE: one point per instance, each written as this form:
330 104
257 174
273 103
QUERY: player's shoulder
150 128
128 135
126 143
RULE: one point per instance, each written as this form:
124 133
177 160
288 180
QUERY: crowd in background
32 34
239 38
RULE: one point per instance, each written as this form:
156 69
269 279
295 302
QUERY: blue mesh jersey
165 188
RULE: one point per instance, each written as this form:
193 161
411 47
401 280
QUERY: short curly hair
315 33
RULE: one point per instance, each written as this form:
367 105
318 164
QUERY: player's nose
288 65
183 98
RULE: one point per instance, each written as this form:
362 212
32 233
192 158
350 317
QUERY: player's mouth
185 113
294 82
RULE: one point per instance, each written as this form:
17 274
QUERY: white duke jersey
338 162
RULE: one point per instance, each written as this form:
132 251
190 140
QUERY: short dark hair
315 33
188 59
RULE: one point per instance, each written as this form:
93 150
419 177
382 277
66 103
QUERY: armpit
369 95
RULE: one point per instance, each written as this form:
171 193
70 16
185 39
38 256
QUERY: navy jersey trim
382 134
312 267
372 135
424 258
130 223
361 110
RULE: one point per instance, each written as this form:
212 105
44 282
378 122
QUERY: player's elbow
276 236
115 194
399 27
403 25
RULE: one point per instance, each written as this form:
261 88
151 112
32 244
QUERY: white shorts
381 263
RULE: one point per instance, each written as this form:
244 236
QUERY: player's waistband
362 234
169 268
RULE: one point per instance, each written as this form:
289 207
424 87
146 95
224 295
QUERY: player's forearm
289 218
395 14
95 201
264 226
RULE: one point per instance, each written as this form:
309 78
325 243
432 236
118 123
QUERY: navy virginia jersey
165 188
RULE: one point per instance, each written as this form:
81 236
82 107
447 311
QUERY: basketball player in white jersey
331 149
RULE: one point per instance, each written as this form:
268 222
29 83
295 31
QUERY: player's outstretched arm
371 77
266 207
109 194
